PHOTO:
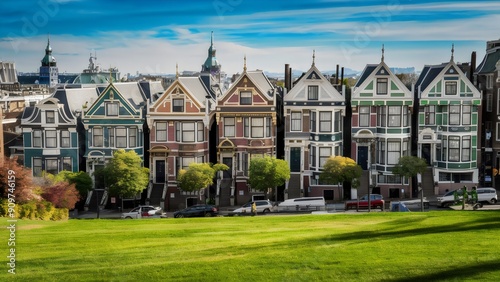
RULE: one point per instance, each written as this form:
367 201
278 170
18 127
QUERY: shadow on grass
491 221
458 273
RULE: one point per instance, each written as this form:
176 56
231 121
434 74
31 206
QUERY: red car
376 202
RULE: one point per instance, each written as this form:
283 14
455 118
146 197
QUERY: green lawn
430 246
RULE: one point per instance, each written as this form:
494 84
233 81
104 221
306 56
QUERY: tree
61 194
411 166
81 179
338 169
268 172
16 180
198 175
124 175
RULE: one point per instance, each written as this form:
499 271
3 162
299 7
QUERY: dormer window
178 105
112 109
50 117
312 92
381 86
245 97
451 88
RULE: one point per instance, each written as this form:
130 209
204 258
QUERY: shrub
28 210
4 209
60 214
45 210
61 195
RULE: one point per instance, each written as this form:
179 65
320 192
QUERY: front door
363 157
295 159
229 162
160 171
426 153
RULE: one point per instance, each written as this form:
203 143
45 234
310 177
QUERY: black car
197 211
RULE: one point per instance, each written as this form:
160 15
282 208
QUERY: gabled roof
75 99
128 94
132 92
313 77
428 74
258 79
369 78
192 87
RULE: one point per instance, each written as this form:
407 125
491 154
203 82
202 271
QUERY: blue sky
152 36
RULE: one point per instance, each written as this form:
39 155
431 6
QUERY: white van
303 204
484 195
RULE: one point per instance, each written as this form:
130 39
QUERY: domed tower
211 64
49 74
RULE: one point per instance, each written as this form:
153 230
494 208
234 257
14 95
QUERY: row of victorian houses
200 119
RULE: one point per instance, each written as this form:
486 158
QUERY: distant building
93 74
49 74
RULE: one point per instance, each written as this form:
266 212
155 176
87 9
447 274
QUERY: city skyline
152 37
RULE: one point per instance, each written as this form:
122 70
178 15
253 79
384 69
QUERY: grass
430 246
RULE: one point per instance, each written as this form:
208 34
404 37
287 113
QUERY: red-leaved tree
61 194
16 180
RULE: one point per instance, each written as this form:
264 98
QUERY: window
453 148
188 132
112 109
67 164
489 102
364 116
51 166
246 127
430 115
97 137
229 124
37 138
313 122
393 152
394 116
313 156
161 131
268 127
324 154
245 97
337 125
312 92
121 137
466 114
445 148
186 161
132 137
382 116
50 117
489 81
178 105
257 127
50 139
37 167
65 139
381 152
466 148
325 121
406 114
454 114
111 132
295 121
381 86
451 88
201 132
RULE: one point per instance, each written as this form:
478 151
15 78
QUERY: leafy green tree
338 169
411 166
124 175
81 179
198 175
268 172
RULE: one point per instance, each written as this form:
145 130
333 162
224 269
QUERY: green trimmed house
381 130
314 114
115 120
447 121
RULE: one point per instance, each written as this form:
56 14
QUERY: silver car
263 206
484 195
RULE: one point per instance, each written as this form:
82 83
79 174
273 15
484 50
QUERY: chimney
287 81
337 75
290 82
342 77
472 66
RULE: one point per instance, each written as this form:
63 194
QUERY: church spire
452 52
383 50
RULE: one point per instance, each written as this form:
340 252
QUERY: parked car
376 201
263 206
484 195
305 203
416 203
144 212
197 211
